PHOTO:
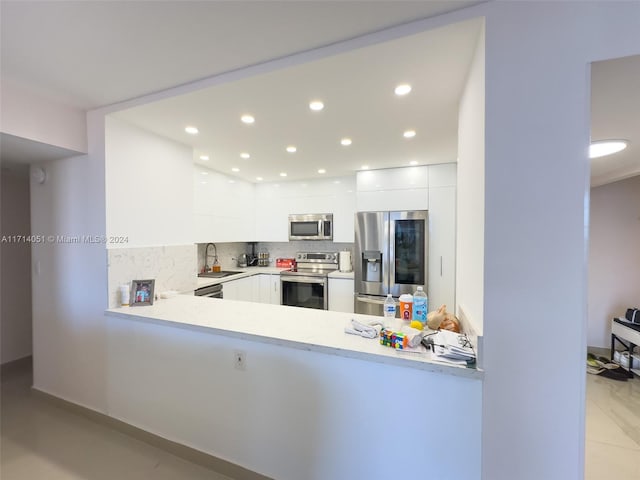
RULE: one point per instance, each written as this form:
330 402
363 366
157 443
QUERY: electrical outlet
240 360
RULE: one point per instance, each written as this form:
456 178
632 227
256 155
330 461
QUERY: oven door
303 291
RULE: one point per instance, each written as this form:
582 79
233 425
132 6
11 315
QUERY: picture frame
141 292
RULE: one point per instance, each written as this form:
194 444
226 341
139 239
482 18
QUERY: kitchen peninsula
305 400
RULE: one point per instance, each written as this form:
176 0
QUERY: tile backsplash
173 268
228 252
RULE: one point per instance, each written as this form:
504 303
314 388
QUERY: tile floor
42 441
612 449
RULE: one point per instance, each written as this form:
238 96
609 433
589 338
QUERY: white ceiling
91 54
357 89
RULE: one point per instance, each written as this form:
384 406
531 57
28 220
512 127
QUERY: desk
629 338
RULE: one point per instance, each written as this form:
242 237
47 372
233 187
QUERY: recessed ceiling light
413 162
283 174
245 155
316 105
345 141
248 119
402 89
322 170
232 181
204 157
204 173
606 147
409 134
191 130
365 167
291 149
235 169
259 179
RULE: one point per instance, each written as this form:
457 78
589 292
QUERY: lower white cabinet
341 295
245 289
269 288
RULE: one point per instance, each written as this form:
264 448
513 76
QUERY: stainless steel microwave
311 226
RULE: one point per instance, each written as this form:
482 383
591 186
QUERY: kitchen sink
221 274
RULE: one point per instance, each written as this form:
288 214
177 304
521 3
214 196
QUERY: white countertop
242 272
303 328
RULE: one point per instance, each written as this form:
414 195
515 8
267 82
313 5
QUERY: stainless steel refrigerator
390 256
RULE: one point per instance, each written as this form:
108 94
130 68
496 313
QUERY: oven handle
303 279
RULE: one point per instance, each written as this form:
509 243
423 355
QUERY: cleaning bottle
420 306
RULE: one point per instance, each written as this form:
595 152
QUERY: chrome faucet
206 255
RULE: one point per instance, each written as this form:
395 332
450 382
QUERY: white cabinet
393 189
245 289
269 288
223 211
442 247
274 203
341 295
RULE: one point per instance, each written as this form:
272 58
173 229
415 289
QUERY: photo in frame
141 292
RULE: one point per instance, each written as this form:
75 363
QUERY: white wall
614 256
28 115
149 187
537 130
292 414
470 194
70 280
15 328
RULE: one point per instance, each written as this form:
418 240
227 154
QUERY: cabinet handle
440 265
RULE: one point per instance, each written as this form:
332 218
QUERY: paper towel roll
345 261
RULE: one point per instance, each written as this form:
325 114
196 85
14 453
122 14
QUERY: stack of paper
452 347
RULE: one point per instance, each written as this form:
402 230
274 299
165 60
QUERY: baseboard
599 351
187 453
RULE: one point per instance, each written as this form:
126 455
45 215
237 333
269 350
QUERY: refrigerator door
408 247
369 304
371 253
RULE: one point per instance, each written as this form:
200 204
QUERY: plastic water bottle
389 307
420 305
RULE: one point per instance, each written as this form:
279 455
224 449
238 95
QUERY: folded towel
358 328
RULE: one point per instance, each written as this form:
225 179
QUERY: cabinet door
442 247
341 295
264 288
240 289
275 289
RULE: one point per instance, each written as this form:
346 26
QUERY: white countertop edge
242 273
410 360
339 274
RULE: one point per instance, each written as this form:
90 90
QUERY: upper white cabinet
393 189
223 211
274 203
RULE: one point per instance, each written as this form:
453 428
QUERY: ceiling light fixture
402 89
322 170
345 141
365 167
602 148
283 174
235 169
204 157
292 149
409 134
316 105
413 162
245 155
191 130
248 119
259 179
204 173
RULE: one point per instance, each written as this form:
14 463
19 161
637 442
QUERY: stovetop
317 264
